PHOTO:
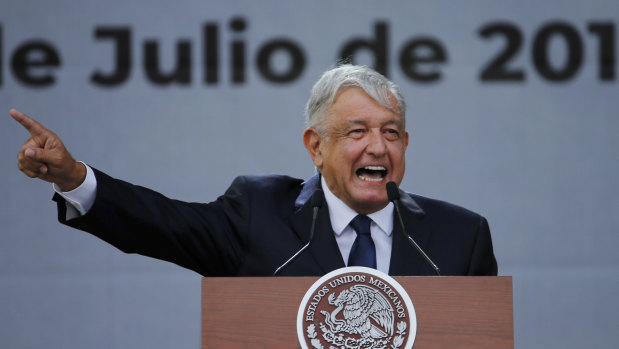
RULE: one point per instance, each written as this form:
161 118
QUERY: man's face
363 151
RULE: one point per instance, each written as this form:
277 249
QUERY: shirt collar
341 214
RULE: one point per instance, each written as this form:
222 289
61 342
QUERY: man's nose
376 143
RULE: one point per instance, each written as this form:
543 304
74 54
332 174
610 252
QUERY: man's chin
371 203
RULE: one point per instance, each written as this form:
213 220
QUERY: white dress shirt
381 228
81 199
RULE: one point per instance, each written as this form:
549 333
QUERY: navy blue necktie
363 252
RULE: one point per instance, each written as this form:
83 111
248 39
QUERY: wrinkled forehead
382 97
391 105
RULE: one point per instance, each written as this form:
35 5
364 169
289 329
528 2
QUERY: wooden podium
452 312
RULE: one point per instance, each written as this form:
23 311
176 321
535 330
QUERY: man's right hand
45 157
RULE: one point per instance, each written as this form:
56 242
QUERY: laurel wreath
311 333
399 339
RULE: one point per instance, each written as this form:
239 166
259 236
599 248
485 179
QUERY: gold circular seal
356 308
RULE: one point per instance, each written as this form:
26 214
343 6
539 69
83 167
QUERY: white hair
323 94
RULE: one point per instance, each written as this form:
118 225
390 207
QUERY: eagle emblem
356 308
366 312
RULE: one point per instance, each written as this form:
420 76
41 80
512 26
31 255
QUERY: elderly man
356 138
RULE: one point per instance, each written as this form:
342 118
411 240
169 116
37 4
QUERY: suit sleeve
206 238
483 262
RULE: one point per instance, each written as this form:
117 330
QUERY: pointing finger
34 127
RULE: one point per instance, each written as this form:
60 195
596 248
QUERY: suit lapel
405 259
323 248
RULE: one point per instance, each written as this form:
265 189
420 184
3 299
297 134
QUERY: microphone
317 200
394 196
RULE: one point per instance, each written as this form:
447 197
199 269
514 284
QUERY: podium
452 311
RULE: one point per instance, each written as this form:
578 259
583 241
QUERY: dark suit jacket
263 220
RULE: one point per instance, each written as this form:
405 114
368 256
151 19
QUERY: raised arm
44 156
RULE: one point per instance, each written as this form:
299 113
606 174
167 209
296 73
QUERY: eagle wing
382 312
363 303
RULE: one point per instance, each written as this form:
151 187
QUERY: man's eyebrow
358 122
393 122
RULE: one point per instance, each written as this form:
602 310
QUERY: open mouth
372 173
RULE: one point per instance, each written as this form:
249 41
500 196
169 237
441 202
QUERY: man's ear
312 141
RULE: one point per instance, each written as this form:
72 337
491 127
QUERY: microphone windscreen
392 191
318 198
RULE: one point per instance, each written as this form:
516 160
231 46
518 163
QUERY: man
357 140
